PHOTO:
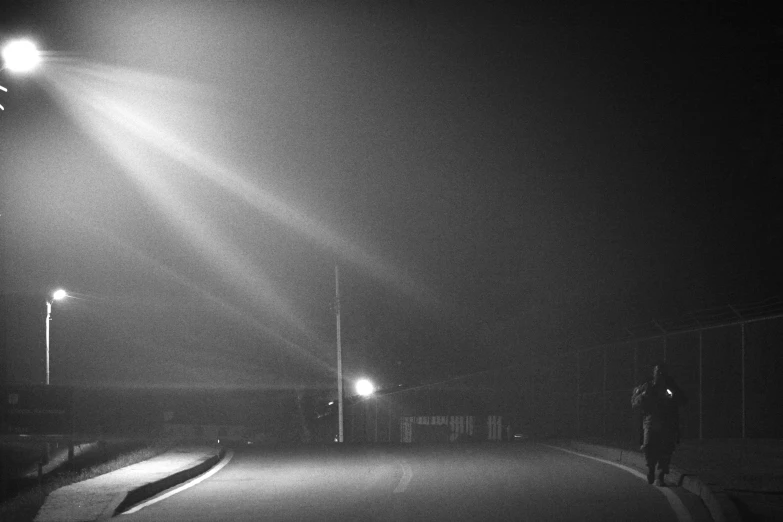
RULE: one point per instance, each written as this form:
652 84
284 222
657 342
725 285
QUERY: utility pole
340 435
48 320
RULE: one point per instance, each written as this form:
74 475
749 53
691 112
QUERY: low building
452 428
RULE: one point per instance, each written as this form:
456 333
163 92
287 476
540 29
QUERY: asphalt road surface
519 482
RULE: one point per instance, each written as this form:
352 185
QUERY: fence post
606 350
665 338
742 363
531 418
578 395
659 327
742 330
701 392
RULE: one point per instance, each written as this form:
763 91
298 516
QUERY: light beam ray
219 304
84 87
111 124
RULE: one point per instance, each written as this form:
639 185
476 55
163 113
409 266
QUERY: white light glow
146 123
21 56
59 294
364 387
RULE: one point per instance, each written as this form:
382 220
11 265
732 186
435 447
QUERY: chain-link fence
727 361
729 370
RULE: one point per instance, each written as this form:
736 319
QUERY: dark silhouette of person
659 400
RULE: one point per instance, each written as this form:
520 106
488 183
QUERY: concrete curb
142 493
720 506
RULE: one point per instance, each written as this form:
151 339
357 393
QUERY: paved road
517 482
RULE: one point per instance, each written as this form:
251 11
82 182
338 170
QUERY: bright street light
21 56
57 295
364 387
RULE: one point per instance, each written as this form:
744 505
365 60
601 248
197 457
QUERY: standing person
659 400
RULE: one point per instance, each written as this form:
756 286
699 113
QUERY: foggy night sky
192 171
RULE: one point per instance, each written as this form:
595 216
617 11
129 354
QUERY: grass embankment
111 457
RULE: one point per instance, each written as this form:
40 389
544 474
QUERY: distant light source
330 403
669 393
364 387
59 294
21 56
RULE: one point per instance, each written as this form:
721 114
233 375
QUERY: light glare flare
21 56
59 294
364 387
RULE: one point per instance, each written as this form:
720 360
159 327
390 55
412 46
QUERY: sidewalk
738 479
100 497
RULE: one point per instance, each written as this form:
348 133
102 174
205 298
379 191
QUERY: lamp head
364 387
59 294
21 56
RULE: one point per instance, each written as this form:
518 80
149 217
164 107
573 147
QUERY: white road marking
407 475
674 501
189 484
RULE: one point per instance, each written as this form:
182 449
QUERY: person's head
660 371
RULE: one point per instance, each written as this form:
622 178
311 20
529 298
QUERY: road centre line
407 475
683 515
189 484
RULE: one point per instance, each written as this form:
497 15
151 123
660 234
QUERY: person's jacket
659 404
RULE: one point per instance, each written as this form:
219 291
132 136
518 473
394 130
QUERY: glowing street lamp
56 296
21 56
364 387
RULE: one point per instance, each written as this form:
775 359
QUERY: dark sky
192 171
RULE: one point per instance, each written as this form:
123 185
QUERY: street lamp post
340 434
56 296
